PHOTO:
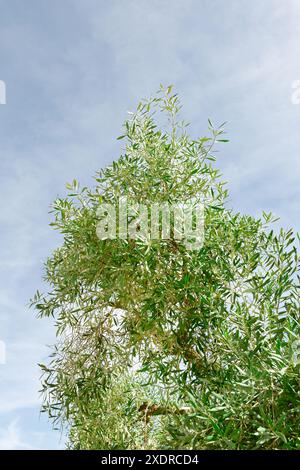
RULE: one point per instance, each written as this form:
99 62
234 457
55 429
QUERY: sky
72 69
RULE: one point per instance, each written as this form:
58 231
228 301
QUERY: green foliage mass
204 335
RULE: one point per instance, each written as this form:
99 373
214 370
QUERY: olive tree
160 345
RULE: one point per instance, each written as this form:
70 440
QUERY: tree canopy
158 345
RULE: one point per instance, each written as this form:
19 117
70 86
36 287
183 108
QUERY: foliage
208 331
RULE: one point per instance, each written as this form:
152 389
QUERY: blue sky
72 70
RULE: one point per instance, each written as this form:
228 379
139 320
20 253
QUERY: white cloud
11 438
